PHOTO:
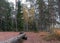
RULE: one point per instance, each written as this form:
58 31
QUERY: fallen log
16 39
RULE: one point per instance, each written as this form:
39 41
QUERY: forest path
31 37
38 38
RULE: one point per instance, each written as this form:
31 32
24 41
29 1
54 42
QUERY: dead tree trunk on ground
17 39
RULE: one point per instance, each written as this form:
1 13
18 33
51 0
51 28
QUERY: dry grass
55 35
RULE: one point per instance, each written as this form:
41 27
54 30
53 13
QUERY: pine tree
19 17
46 14
4 14
41 14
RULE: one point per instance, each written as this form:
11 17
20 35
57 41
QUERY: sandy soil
6 35
32 37
38 38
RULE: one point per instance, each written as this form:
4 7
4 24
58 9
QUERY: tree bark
17 39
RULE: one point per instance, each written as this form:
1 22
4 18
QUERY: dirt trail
32 37
37 38
6 35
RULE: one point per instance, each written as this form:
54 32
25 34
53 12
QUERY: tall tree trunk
41 14
59 8
51 12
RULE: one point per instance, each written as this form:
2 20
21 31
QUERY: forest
38 15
